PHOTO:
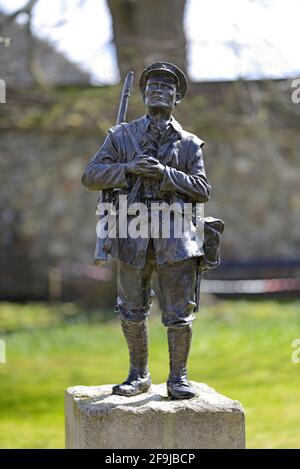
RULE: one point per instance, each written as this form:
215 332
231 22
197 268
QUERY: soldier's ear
178 98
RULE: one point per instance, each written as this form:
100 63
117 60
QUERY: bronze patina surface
153 159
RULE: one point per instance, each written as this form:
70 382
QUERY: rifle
100 256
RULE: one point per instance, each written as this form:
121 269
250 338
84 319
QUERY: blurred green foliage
93 109
241 348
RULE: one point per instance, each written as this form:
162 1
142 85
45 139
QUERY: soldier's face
161 93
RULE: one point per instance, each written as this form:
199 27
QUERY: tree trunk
146 31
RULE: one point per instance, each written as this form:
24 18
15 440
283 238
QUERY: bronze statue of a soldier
154 158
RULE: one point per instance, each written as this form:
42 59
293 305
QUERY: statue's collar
145 121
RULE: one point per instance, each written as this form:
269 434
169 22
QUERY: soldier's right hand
139 166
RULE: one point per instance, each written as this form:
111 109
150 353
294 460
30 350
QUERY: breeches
177 283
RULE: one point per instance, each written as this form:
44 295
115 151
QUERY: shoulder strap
137 185
132 138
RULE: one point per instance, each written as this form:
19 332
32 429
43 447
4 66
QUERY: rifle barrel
125 97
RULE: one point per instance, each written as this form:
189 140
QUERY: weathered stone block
97 419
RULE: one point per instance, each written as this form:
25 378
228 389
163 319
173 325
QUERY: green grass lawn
240 348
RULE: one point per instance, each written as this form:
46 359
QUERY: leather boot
179 341
138 381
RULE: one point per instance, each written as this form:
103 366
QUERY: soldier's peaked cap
165 67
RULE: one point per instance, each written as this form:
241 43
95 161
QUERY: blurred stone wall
47 219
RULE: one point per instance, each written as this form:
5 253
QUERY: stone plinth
97 419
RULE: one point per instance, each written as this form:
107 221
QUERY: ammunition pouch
213 230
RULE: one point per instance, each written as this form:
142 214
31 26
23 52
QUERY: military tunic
174 259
